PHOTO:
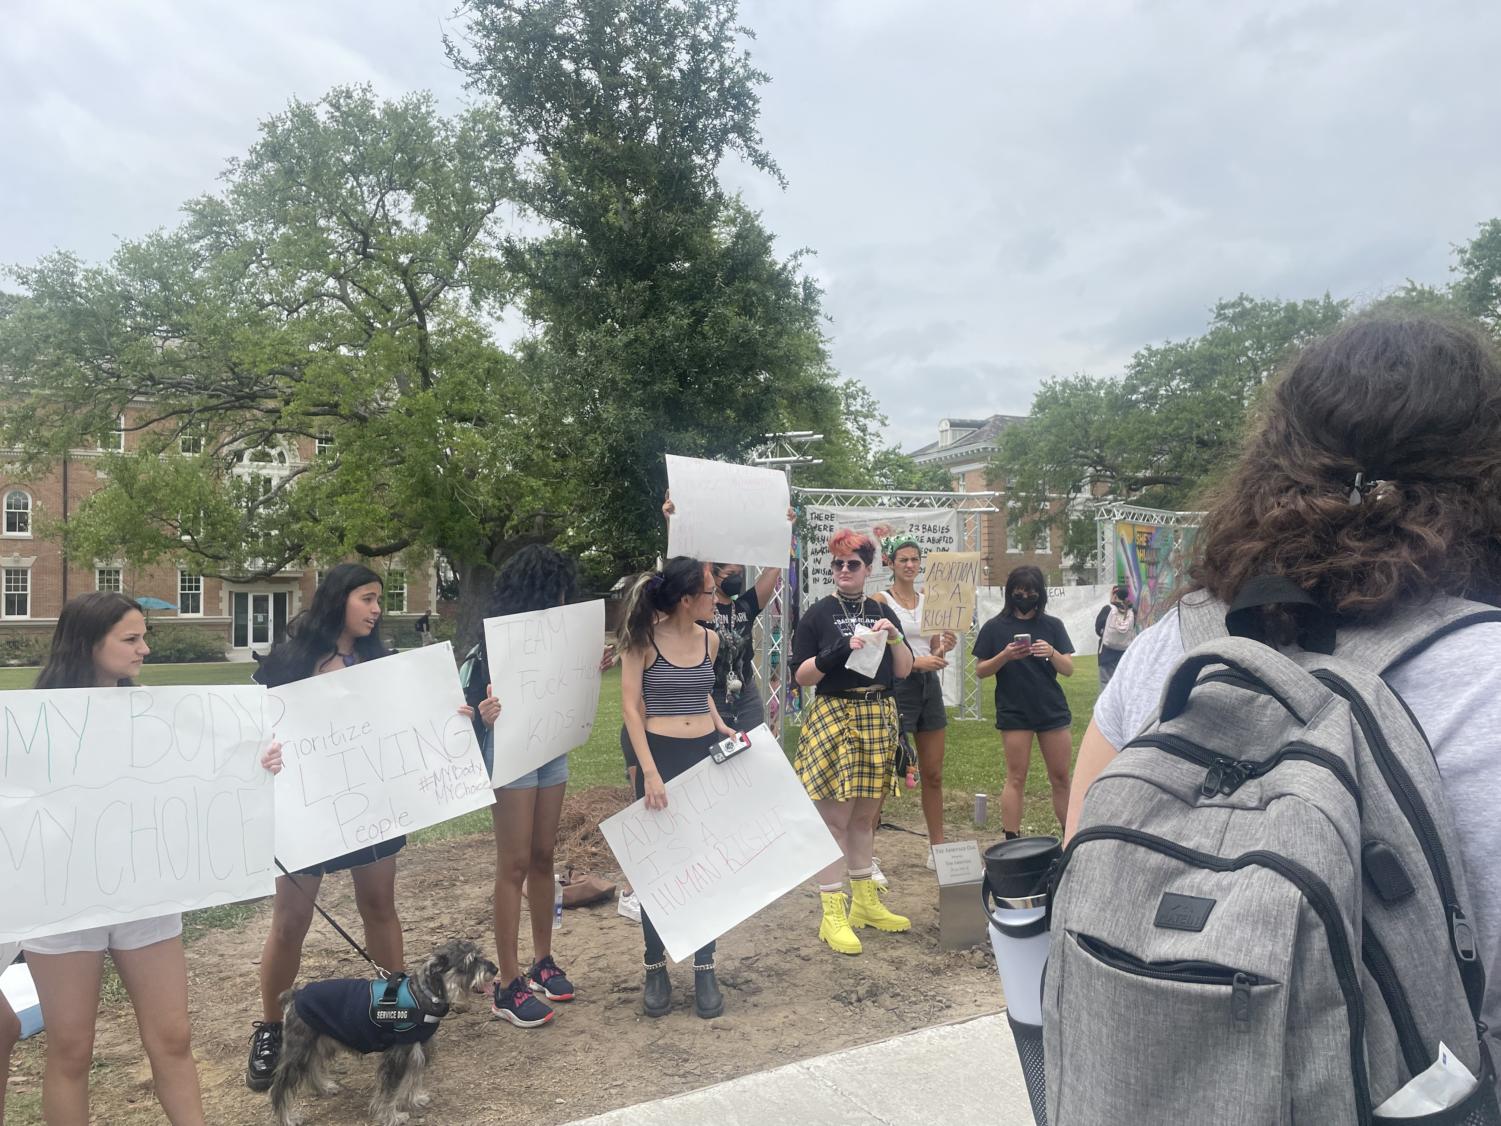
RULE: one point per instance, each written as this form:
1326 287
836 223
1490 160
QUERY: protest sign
126 803
728 513
371 752
544 670
734 837
950 579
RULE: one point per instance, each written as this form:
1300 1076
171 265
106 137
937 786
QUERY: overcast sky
996 192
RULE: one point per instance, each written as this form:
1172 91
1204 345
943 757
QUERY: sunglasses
848 564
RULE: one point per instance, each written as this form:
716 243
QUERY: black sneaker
265 1050
516 1004
549 980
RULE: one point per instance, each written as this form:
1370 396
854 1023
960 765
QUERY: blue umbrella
149 603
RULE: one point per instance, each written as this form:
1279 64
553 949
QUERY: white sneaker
877 876
932 866
629 907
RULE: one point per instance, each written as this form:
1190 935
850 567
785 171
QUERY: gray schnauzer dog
395 1018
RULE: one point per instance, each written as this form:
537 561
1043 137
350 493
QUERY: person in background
1026 650
1115 626
848 744
100 642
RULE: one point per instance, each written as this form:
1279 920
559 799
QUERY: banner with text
126 803
544 670
735 836
728 513
371 752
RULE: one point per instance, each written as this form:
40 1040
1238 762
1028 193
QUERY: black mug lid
1018 868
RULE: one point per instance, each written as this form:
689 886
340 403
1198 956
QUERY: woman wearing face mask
1115 626
849 742
1026 651
101 643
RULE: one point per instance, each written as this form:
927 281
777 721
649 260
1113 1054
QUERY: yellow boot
835 927
867 910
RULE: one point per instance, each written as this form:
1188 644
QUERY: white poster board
728 513
1075 606
371 752
127 803
935 529
734 837
544 670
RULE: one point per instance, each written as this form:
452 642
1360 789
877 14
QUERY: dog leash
385 975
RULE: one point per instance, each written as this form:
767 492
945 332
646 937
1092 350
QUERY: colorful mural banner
1152 560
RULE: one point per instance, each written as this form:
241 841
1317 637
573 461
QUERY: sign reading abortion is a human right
126 803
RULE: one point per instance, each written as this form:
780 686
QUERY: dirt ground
787 997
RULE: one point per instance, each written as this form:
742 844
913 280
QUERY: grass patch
221 672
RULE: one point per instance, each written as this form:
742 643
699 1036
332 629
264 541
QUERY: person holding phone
1026 650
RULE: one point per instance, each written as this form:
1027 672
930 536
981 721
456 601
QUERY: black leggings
672 757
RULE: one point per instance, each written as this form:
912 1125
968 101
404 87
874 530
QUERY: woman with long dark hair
666 696
848 745
526 810
101 643
1026 650
337 631
1372 482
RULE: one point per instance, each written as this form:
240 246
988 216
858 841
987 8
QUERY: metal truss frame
1108 513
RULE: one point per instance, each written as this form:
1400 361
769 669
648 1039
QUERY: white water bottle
557 902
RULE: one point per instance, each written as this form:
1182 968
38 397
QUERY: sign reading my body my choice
372 752
126 803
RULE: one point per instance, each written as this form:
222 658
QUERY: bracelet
897 639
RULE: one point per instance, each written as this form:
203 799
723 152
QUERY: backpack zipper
1315 892
1379 964
1461 934
1226 775
1188 973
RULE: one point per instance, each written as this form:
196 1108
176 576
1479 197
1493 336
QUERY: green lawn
972 761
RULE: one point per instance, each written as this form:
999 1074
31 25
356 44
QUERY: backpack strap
1201 618
1393 642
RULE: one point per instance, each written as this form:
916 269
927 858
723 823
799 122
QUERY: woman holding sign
919 695
849 741
666 695
527 810
101 643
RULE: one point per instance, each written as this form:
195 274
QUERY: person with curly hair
849 740
1372 482
527 809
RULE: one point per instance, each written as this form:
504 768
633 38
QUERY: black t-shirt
1027 694
736 653
824 623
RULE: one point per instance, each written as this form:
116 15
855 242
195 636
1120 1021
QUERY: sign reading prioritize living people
728 513
371 752
950 581
126 803
734 837
544 670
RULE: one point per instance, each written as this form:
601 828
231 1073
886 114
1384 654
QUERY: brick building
964 448
36 579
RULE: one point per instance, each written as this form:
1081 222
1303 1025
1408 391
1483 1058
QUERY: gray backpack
1261 917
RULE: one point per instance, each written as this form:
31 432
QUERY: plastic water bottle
557 902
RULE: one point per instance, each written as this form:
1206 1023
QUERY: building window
17 513
1037 539
324 442
17 593
108 579
190 441
189 593
395 600
114 440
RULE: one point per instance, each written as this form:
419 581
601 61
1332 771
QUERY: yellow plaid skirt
848 748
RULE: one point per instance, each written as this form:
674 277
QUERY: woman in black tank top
666 697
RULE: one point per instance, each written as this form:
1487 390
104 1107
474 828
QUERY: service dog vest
366 1016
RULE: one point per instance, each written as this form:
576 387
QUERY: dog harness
367 1016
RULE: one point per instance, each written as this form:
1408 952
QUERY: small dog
358 1016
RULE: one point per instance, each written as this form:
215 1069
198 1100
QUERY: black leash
385 975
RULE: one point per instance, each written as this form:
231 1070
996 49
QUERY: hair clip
1361 488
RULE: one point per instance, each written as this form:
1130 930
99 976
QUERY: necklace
850 610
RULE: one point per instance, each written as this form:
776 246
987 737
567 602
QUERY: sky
996 193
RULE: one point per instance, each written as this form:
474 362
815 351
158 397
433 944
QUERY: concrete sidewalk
955 1074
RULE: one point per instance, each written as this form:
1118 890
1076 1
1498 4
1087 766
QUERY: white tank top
911 620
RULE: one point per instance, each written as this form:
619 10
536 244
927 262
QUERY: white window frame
6 592
1014 546
119 436
28 512
190 442
184 591
392 586
323 442
119 573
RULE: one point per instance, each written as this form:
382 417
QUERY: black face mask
732 584
1026 603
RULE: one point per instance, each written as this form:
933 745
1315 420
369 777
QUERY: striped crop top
669 689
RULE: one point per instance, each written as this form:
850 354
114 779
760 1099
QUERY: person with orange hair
849 740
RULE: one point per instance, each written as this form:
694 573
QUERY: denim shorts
553 773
